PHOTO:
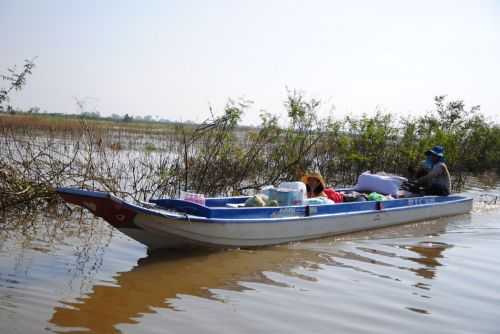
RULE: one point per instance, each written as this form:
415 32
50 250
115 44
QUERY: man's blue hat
437 151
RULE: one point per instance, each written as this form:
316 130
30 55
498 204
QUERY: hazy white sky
175 58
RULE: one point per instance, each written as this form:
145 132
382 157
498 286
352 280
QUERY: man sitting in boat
436 178
315 186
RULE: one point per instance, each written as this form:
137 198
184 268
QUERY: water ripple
438 276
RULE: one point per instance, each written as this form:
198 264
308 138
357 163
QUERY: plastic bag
380 183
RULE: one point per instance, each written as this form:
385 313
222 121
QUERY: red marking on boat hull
114 212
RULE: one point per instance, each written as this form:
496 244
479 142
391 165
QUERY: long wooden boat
173 223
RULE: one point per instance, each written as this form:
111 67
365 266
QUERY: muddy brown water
78 275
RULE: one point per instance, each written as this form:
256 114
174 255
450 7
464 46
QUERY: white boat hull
167 231
157 227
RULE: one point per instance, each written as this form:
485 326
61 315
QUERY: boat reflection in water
165 276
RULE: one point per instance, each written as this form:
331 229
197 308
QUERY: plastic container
193 197
300 191
288 193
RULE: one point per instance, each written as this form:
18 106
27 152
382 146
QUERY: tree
16 81
127 118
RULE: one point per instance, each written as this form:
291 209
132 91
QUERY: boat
223 222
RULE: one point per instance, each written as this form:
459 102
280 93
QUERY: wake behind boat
221 222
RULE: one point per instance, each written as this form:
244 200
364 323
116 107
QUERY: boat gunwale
184 217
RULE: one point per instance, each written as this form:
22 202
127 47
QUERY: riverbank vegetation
219 157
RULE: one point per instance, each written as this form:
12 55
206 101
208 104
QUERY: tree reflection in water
429 253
